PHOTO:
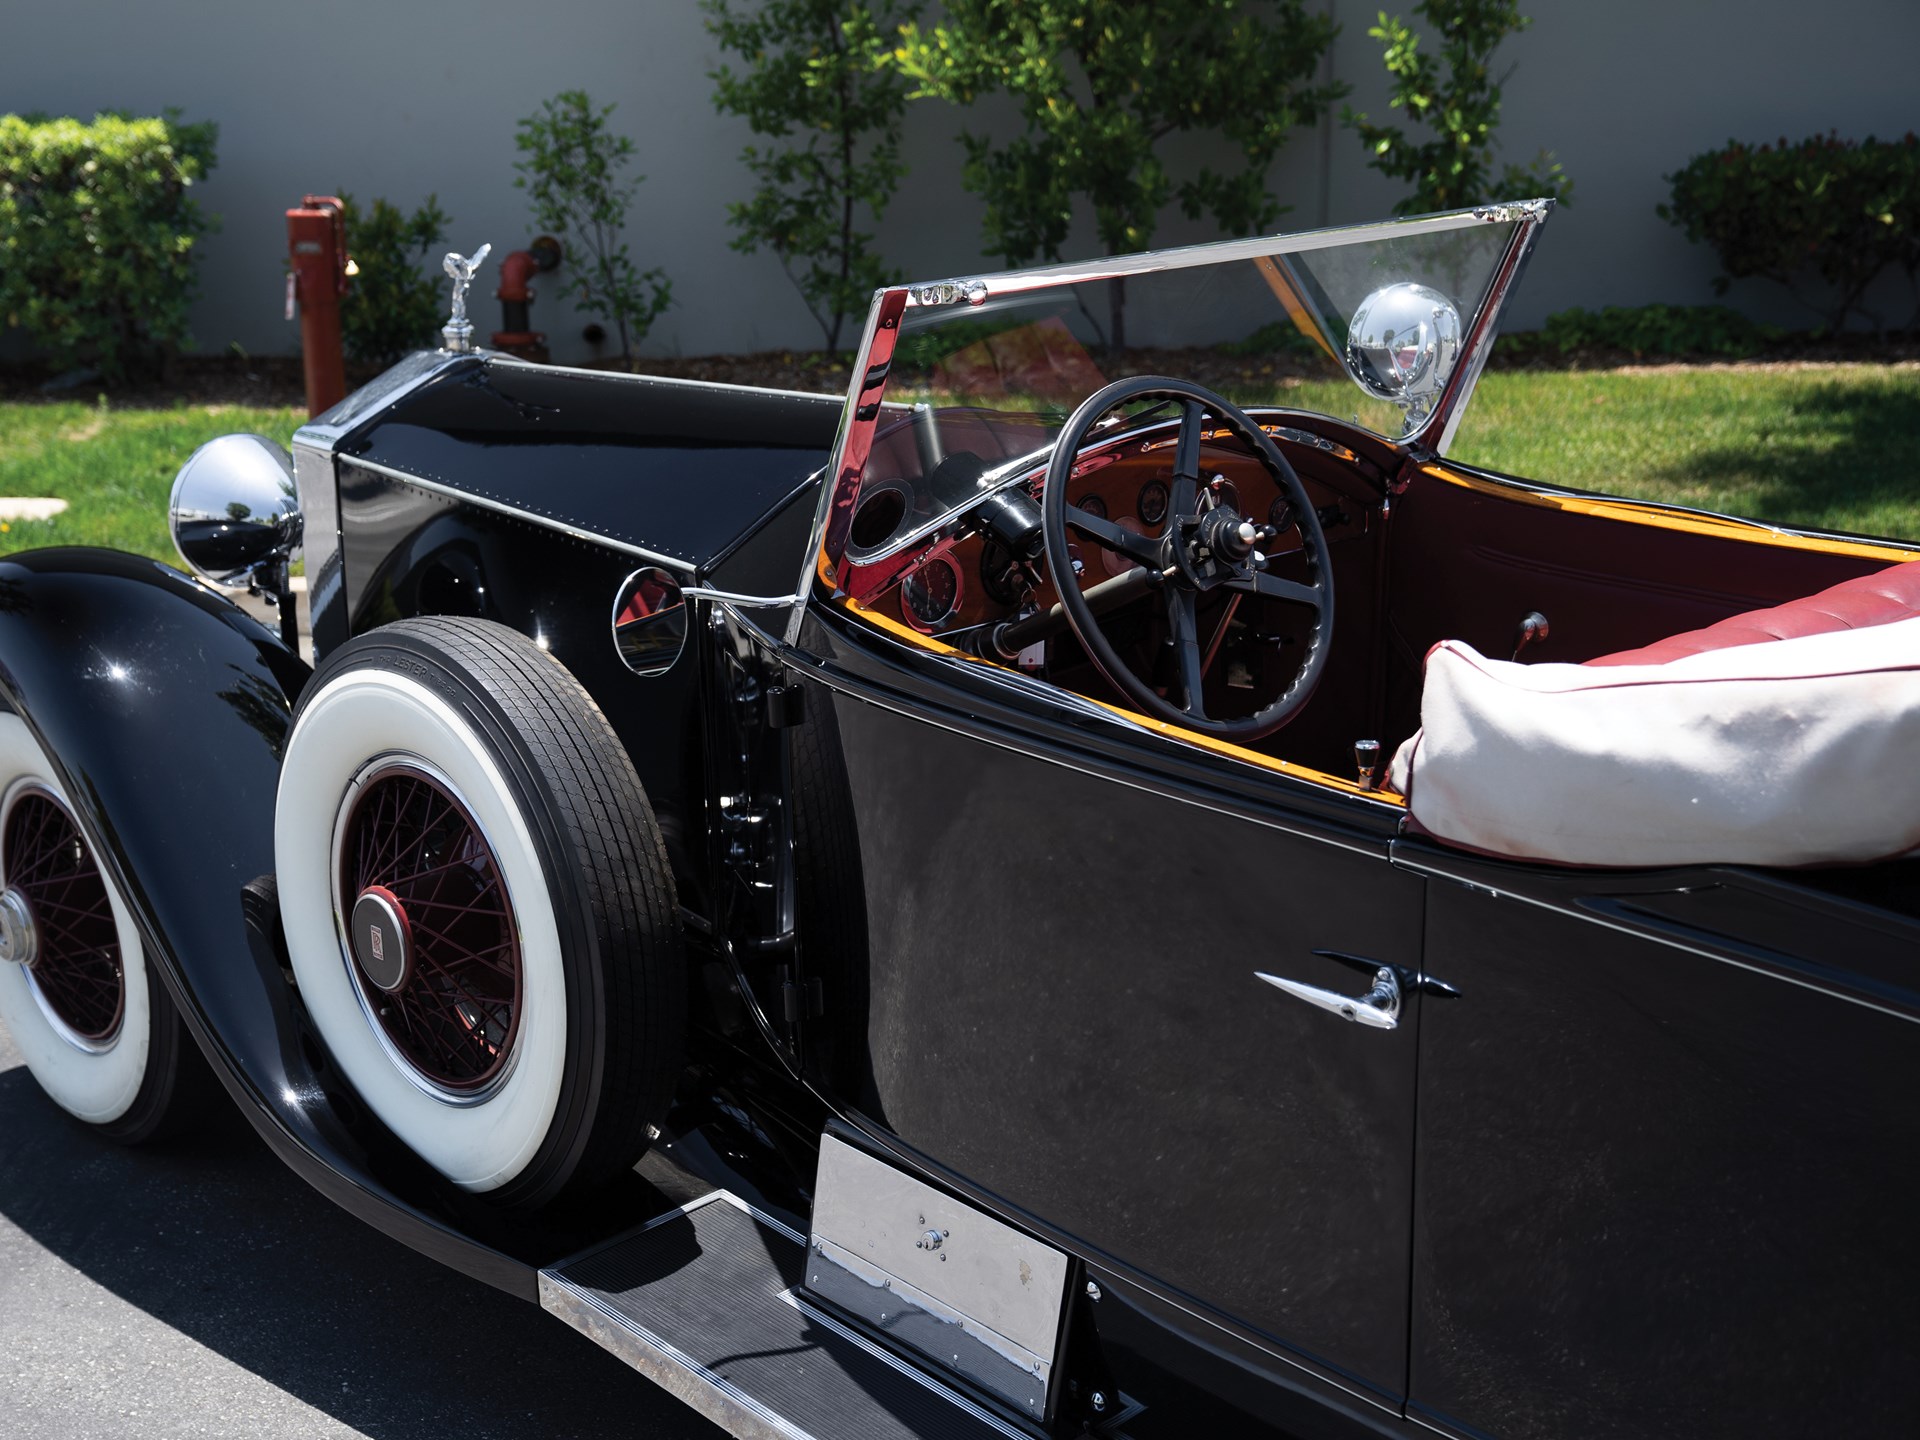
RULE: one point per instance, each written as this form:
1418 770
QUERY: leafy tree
1456 97
817 78
391 308
572 175
1100 84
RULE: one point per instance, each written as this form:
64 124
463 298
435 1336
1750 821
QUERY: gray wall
402 99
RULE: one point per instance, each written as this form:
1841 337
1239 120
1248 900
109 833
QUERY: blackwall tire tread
611 885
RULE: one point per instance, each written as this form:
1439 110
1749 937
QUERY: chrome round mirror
649 621
234 511
1403 344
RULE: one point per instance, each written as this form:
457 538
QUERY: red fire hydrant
317 250
516 334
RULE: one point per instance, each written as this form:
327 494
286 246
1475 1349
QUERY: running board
706 1302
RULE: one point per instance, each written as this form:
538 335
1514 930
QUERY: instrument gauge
930 596
1153 503
1280 514
1094 506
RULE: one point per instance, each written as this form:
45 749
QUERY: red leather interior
1875 599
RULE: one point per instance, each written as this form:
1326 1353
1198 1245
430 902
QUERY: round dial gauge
1153 503
1280 514
931 594
1094 506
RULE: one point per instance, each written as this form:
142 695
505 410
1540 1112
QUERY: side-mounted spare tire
89 1014
478 907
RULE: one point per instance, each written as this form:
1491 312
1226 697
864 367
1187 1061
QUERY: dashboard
961 578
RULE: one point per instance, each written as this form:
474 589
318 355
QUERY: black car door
1066 922
1669 1154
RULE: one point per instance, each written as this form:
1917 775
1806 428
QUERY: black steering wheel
1205 545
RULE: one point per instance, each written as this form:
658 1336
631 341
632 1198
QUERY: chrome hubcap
19 938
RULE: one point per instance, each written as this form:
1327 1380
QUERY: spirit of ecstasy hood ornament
458 331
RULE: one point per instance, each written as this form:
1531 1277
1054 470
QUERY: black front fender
165 710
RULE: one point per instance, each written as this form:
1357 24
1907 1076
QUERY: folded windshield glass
1368 325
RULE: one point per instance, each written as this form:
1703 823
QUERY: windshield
1383 326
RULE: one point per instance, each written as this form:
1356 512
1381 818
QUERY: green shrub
1455 95
814 81
1840 210
1104 87
1276 337
97 233
1659 330
572 175
391 308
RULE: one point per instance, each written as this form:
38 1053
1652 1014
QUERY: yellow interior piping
1159 727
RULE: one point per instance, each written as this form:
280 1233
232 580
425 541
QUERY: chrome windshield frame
866 392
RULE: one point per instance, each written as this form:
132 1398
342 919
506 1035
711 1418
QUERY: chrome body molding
949 292
1510 210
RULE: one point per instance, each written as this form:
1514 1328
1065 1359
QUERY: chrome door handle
1379 1008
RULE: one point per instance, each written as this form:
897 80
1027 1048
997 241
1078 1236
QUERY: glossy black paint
1649 1174
680 471
1668 1148
424 553
165 708
1062 1019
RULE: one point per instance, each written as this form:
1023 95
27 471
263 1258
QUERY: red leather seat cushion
1875 599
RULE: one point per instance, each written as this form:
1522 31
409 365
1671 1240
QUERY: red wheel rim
76 954
409 841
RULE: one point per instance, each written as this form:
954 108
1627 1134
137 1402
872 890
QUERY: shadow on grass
1837 450
215 1239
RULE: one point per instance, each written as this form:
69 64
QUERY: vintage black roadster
1044 897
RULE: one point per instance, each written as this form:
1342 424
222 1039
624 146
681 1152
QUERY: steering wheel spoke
1275 588
1114 537
1184 493
1184 633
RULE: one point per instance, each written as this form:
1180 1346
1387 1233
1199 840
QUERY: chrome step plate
703 1301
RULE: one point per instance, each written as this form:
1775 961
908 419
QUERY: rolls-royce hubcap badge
18 938
381 938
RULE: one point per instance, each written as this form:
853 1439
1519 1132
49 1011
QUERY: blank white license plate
952 1284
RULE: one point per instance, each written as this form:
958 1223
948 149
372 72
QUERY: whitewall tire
477 907
94 1025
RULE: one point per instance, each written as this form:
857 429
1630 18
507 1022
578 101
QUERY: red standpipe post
317 248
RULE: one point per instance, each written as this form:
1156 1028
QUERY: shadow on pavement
215 1239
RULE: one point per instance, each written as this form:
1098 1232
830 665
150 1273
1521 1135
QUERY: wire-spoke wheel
478 907
95 1027
431 928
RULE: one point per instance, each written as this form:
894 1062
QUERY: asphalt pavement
204 1290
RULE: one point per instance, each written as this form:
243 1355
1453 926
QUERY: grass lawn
1822 445
115 468
1830 446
